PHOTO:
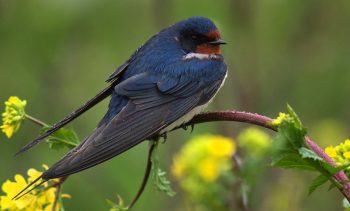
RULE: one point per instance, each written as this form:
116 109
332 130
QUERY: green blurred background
57 54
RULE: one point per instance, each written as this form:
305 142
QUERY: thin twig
57 194
145 177
36 121
58 186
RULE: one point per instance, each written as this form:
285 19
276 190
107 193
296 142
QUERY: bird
164 83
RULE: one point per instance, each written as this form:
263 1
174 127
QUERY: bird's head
199 35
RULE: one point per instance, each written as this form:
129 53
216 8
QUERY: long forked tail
89 104
25 191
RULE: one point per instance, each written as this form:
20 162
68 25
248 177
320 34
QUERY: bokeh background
57 54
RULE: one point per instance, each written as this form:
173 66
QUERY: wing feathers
147 112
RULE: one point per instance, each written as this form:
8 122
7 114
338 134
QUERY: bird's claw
185 127
192 127
164 136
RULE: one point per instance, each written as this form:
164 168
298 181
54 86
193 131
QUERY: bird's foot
185 127
192 127
164 136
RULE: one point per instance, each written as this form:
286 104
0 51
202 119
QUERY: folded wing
151 107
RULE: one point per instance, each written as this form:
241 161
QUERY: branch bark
264 121
255 119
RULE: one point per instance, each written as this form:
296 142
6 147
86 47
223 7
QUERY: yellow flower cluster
340 153
281 117
40 199
204 157
203 169
13 115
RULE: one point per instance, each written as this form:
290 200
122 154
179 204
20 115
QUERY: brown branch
263 121
251 118
235 116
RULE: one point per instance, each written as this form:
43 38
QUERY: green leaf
159 176
346 204
333 170
328 168
341 168
292 130
161 182
317 182
293 160
292 134
292 153
63 138
280 147
119 206
307 153
295 117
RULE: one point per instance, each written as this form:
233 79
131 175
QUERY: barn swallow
167 81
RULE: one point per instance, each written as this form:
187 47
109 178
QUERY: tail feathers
98 98
25 191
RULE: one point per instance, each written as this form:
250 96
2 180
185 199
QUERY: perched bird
168 80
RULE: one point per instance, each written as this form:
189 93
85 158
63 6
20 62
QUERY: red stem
263 121
340 176
255 119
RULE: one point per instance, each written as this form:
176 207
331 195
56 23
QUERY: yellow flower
330 151
204 157
340 154
13 115
178 168
42 198
203 168
281 117
200 154
221 146
208 169
11 189
346 154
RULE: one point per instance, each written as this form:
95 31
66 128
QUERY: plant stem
340 176
36 121
246 117
263 121
145 177
58 186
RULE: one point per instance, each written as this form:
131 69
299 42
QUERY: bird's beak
217 42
